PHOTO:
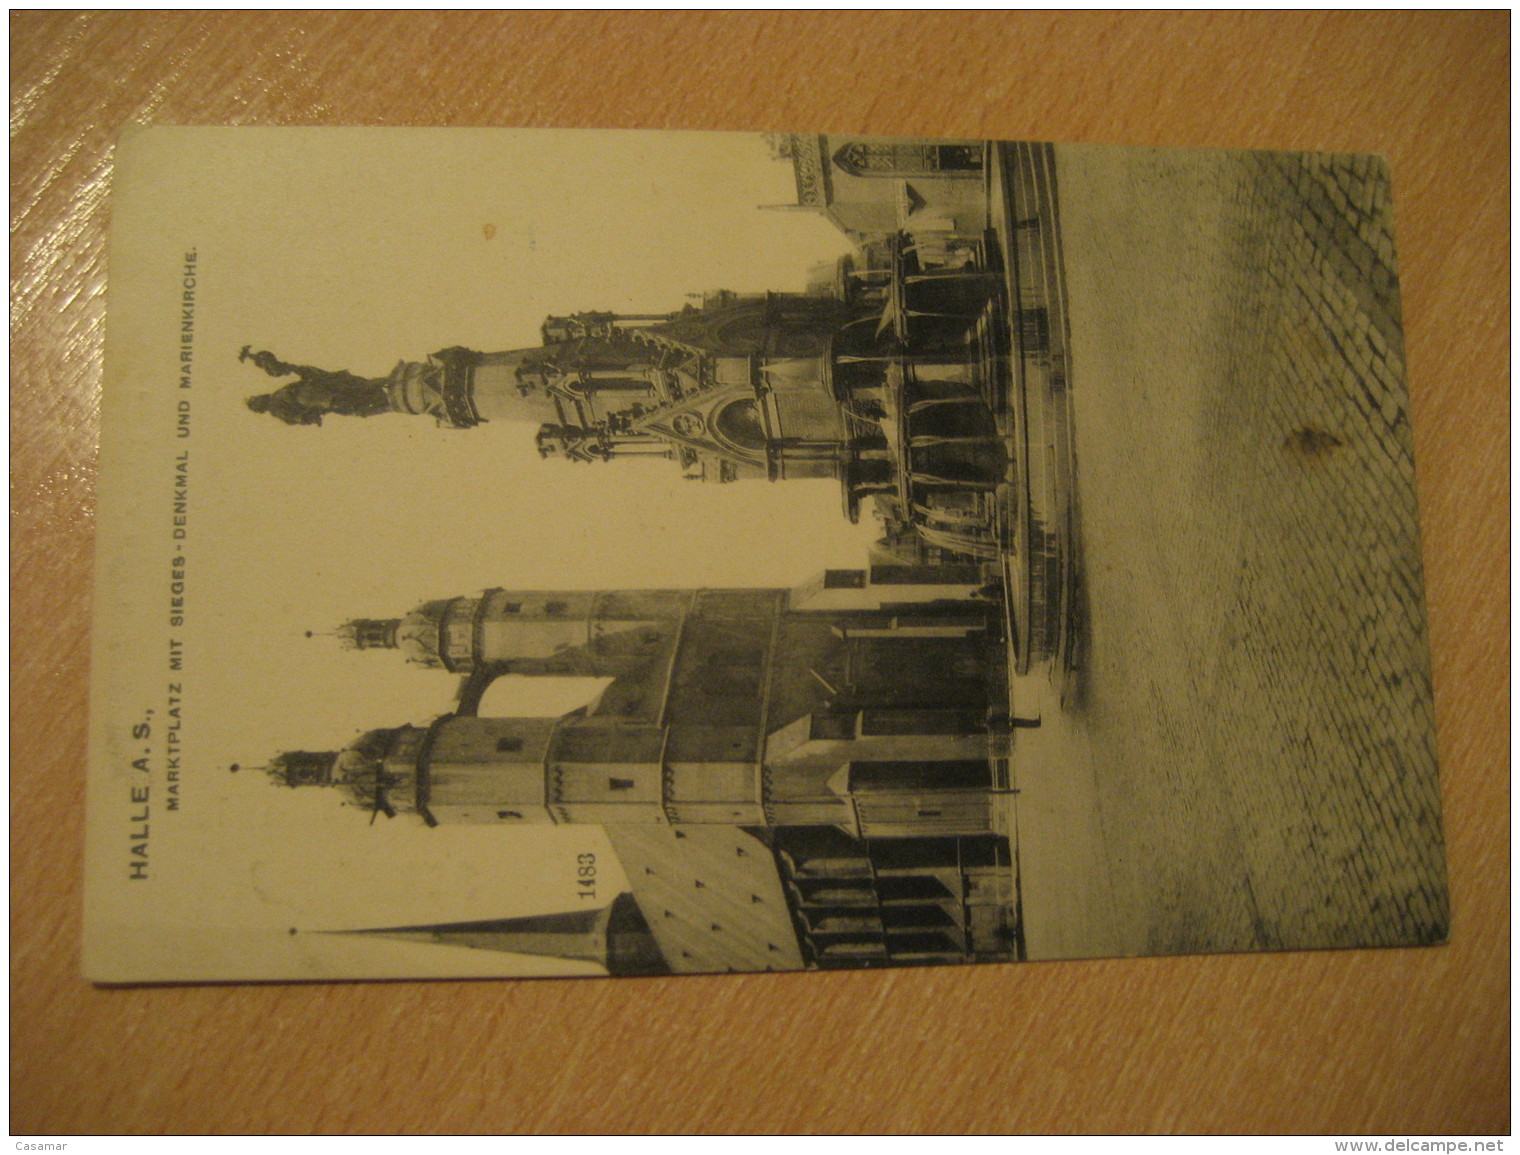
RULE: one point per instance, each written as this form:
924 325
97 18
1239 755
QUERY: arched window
739 424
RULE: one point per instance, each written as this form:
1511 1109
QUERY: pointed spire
615 936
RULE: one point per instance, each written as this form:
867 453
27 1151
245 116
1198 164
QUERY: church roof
711 895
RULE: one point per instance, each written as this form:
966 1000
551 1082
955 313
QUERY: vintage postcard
573 553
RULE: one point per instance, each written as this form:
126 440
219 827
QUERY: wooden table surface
1376 1042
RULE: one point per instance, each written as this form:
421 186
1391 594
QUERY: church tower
872 701
789 777
543 632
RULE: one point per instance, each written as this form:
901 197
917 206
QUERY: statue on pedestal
316 392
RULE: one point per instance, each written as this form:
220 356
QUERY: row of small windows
515 745
612 784
553 609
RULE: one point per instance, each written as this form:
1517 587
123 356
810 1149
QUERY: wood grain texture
1379 1042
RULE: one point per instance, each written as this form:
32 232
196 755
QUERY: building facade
811 777
870 187
819 769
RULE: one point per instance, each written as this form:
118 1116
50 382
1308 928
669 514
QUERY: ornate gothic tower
894 382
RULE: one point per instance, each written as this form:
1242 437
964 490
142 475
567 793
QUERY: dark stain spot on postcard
1312 443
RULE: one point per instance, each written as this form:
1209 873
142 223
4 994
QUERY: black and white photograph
534 552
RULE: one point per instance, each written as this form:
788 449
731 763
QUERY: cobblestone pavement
1248 761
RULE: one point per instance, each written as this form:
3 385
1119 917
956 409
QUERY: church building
792 778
